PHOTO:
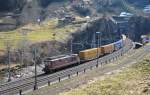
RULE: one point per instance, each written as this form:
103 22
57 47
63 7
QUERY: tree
8 43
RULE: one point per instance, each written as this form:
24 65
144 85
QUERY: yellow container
108 48
90 53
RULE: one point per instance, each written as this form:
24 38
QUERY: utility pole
22 50
8 62
71 48
35 50
98 33
8 44
123 43
24 43
54 43
100 36
93 45
35 68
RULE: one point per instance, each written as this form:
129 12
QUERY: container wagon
106 49
90 54
118 45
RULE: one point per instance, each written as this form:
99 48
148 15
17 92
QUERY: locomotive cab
59 62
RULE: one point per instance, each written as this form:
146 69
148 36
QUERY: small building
125 14
67 19
146 10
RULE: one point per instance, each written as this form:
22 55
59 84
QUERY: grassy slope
40 33
133 81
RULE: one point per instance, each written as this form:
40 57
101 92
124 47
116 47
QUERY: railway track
15 87
126 61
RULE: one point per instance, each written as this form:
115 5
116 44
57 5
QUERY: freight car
52 64
118 45
90 54
106 49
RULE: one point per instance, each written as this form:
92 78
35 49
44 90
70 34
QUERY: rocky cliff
139 26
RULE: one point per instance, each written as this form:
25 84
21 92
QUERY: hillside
28 11
31 10
132 81
32 30
20 15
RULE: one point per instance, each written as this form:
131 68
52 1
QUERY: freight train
52 64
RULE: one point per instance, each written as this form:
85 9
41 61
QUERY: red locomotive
58 62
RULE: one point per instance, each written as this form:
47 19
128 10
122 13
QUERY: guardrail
18 87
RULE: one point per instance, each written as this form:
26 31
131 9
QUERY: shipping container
108 48
118 45
90 54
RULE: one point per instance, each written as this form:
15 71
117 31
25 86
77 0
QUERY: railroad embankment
128 74
131 81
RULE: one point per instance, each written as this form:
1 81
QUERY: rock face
139 26
45 3
86 36
31 10
28 10
11 5
139 3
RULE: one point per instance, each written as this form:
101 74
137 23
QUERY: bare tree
36 57
8 43
23 47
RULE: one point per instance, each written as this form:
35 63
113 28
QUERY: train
58 62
